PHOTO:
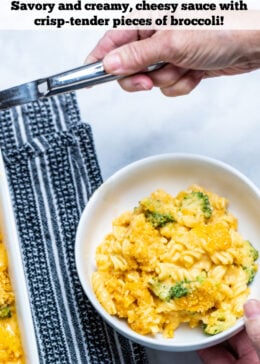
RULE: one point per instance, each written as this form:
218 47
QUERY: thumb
135 56
252 314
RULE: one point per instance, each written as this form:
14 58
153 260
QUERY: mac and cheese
175 260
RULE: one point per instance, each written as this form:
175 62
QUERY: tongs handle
84 76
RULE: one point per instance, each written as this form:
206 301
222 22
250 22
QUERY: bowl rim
148 341
175 156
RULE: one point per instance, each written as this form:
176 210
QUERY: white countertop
219 119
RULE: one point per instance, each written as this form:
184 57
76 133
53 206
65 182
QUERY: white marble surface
219 119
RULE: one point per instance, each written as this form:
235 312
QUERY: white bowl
173 173
15 267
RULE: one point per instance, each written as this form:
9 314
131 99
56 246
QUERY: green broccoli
251 272
253 253
156 212
213 329
157 219
197 200
160 290
218 322
179 290
166 292
250 255
5 312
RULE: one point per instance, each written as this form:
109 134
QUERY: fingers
242 346
110 41
136 55
184 85
236 349
138 82
128 52
215 355
113 39
165 77
173 81
252 323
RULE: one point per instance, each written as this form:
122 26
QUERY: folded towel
52 171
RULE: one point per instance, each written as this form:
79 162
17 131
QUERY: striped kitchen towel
52 171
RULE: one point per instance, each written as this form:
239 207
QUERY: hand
192 56
252 323
243 347
238 349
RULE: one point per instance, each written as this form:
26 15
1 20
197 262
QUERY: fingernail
252 309
141 86
112 62
90 59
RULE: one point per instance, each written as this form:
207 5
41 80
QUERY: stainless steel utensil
84 76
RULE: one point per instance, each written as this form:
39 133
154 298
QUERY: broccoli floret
213 330
247 257
166 292
160 290
5 312
158 209
251 272
179 290
157 219
219 321
197 200
252 251
250 255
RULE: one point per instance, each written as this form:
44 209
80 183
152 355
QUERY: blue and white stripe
52 171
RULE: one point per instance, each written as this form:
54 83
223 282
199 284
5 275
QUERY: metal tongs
84 76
